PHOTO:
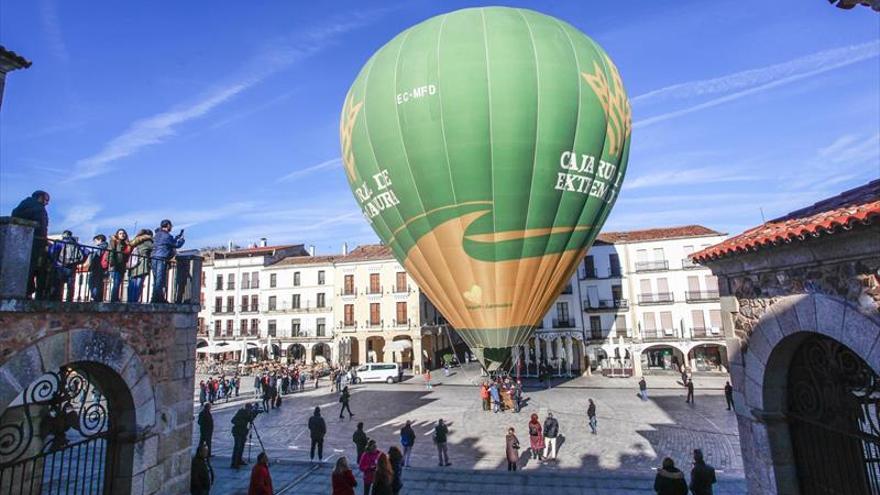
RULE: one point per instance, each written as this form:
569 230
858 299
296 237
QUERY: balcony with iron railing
401 324
652 266
606 305
598 334
658 335
596 274
347 326
402 290
563 323
656 298
689 264
702 296
374 291
373 325
567 289
348 292
308 308
706 333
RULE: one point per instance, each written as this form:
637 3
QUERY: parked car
377 372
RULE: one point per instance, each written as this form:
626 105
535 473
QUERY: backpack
71 254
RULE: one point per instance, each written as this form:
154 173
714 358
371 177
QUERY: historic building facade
800 297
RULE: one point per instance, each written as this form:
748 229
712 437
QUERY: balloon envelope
486 147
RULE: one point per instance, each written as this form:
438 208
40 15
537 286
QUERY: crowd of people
55 263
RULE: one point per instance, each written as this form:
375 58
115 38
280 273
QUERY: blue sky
224 115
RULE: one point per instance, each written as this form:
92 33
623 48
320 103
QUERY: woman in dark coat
669 480
383 480
511 449
117 259
395 457
139 263
261 480
343 479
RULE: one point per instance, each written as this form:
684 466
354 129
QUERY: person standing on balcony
66 256
164 248
139 264
97 268
33 208
117 260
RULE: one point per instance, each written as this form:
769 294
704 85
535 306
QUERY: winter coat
201 476
368 463
165 245
261 481
551 428
536 436
407 436
33 210
496 396
66 253
440 432
118 257
206 423
141 250
670 482
360 439
484 392
591 411
317 427
382 486
95 254
512 448
343 483
702 478
396 480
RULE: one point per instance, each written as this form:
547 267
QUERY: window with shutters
255 302
374 314
273 301
321 303
255 326
255 280
589 267
620 325
374 283
321 278
229 328
596 327
230 304
401 313
219 283
230 281
649 325
244 327
217 328
698 320
614 264
715 320
348 285
295 328
296 279
273 280
295 301
272 328
666 323
218 304
348 315
321 327
401 285
245 307
245 280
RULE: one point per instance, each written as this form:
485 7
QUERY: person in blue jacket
164 248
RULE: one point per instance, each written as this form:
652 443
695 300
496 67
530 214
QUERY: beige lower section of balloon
477 294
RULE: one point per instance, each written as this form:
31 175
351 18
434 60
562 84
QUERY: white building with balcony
647 307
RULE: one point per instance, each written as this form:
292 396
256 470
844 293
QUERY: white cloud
687 175
154 129
746 83
308 170
853 149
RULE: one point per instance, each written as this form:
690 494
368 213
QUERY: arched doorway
295 352
375 349
354 351
708 357
662 358
831 406
401 351
323 351
74 417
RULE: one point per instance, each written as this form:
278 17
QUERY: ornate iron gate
55 438
833 419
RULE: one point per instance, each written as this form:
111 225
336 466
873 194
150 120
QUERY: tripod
252 428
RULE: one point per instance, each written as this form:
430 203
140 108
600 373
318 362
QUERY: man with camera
164 247
240 424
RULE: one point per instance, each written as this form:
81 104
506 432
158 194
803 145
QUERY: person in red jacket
343 479
261 480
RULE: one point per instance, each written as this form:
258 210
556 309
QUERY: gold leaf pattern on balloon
614 102
346 125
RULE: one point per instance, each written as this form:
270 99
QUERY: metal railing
701 295
706 333
567 323
606 305
652 266
689 264
658 334
656 298
372 291
612 272
74 272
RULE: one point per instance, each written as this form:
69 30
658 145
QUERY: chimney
262 242
345 249
229 246
312 250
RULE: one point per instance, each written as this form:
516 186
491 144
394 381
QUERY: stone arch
119 372
765 361
704 354
375 348
677 357
354 352
323 350
296 352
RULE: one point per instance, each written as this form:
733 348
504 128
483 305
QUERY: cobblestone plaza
633 435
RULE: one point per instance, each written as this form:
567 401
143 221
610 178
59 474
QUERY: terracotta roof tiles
859 206
368 252
656 234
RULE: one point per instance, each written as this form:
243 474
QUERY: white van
377 372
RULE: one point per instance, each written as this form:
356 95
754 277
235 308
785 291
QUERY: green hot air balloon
486 147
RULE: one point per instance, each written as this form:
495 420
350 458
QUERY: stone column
417 355
308 353
362 350
537 350
637 361
16 240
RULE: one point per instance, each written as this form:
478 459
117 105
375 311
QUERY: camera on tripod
257 408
